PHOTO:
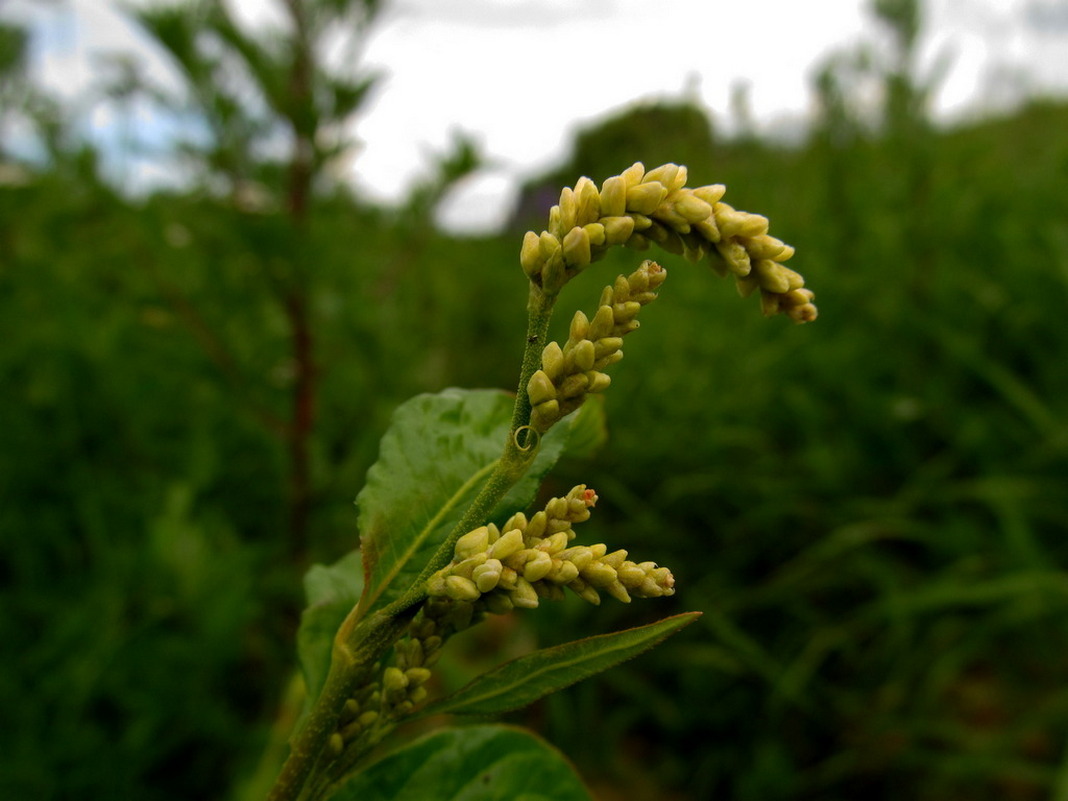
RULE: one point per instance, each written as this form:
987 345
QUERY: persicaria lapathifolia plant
444 538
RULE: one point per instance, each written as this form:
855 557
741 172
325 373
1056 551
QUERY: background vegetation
870 510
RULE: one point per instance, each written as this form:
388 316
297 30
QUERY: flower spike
637 208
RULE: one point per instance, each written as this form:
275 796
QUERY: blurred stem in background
253 91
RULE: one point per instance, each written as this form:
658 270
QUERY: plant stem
359 643
349 668
539 312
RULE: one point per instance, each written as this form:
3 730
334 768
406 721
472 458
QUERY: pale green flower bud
608 360
336 743
617 591
614 197
519 521
630 575
666 174
795 279
524 596
573 386
544 415
417 676
552 361
563 572
584 591
548 245
473 542
538 566
540 389
691 208
508 579
765 247
350 710
579 555
509 543
367 718
554 273
595 231
393 681
739 223
588 201
536 527
461 589
623 313
606 346
617 229
435 585
614 559
599 574
771 275
708 230
418 695
556 226
530 257
577 248
644 198
568 209
555 543
602 324
710 194
735 256
467 566
579 329
641 222
581 357
667 214
633 175
487 576
599 382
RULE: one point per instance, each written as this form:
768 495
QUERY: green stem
350 667
539 312
361 642
518 453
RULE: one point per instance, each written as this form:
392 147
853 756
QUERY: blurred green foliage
870 510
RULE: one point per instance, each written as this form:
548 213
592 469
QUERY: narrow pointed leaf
432 463
528 678
469 763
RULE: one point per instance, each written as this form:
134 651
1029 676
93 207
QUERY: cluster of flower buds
570 373
402 684
639 207
533 559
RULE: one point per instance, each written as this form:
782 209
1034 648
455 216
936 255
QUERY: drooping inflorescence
570 373
639 207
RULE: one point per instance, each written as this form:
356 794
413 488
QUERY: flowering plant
444 538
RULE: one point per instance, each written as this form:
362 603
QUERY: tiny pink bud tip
589 497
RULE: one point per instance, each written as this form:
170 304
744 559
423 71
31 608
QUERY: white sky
520 73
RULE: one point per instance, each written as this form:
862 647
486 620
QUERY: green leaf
332 592
528 678
432 463
470 763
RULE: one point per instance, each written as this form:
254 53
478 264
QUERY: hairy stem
356 649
